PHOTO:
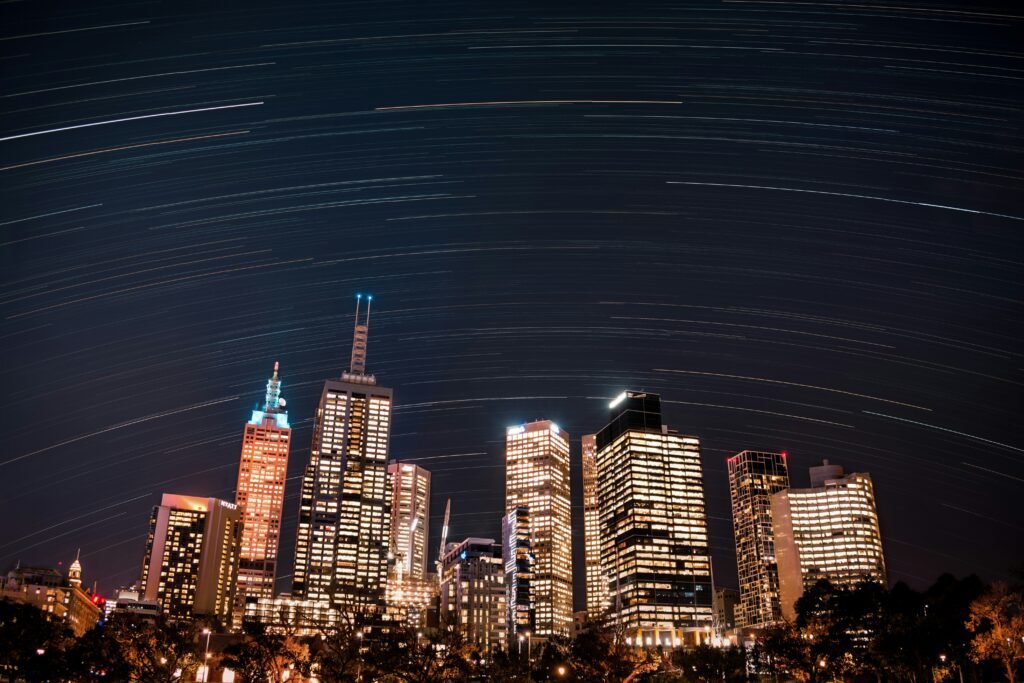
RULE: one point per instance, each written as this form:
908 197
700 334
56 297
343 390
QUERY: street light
529 656
359 653
561 671
206 656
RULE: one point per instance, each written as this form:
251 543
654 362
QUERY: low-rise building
50 591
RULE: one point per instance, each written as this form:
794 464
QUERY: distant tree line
956 630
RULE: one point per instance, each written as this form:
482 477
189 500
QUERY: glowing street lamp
206 655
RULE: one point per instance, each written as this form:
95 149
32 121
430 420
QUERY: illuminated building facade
410 601
829 531
473 592
537 477
49 591
341 551
260 495
753 477
597 583
518 558
727 607
191 563
653 525
410 519
284 614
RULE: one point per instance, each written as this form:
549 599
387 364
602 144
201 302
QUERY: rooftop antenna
357 365
273 399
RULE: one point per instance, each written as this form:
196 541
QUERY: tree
263 656
600 653
336 652
162 651
405 655
33 643
505 667
97 656
997 622
783 649
706 663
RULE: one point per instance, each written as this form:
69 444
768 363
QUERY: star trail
799 222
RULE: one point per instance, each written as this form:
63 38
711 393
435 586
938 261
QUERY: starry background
800 222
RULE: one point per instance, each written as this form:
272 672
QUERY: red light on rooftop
783 454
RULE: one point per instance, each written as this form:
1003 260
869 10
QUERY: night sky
799 222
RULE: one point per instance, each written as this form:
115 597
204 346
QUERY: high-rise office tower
410 518
191 564
260 495
597 583
411 590
753 477
654 537
537 477
518 557
829 531
473 592
341 549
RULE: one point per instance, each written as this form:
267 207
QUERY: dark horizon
798 224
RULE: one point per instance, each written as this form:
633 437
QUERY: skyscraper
341 549
753 477
473 592
829 531
518 557
597 583
262 471
411 590
537 477
410 518
654 538
191 563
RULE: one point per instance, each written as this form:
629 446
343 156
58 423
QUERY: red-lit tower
260 495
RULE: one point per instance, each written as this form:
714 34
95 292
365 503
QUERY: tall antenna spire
273 398
357 365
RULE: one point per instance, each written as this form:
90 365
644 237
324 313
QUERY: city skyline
277 418
797 224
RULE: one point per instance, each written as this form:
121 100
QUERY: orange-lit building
260 496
